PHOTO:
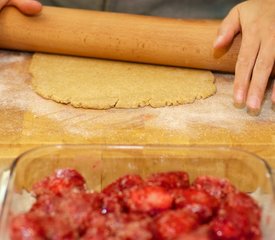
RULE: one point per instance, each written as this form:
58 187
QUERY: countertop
28 121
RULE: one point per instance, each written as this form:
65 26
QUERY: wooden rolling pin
136 38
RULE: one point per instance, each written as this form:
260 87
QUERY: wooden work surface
27 120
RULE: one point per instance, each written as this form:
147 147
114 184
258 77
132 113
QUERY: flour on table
19 57
216 111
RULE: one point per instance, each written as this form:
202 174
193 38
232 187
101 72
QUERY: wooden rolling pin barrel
136 38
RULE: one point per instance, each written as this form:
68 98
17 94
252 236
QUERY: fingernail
253 111
239 99
239 105
253 106
253 102
218 40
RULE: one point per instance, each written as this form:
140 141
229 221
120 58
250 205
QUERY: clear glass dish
102 164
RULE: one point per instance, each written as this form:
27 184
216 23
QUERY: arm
29 7
255 19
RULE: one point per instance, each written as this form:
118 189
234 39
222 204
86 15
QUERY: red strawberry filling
165 206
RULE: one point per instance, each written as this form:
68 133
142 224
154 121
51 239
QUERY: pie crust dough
104 84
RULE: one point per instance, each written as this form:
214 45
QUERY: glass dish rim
141 146
13 165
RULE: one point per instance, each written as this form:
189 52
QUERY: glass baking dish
102 164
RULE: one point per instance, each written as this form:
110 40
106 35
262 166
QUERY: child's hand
255 19
29 7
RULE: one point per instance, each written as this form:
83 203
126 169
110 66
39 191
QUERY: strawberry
96 229
33 226
123 183
76 207
26 227
57 228
197 201
64 180
46 204
173 223
216 187
231 224
169 180
113 193
112 203
243 203
147 199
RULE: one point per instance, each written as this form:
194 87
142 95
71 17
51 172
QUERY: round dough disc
103 84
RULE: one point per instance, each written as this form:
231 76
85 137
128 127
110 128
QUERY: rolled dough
103 84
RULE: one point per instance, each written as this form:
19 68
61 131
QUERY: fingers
228 29
261 73
3 3
29 7
244 67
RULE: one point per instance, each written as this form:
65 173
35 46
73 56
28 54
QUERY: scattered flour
216 111
18 57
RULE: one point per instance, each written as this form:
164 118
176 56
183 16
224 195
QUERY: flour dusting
15 58
216 111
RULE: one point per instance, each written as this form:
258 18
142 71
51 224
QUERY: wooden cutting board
27 120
